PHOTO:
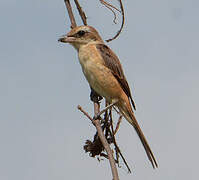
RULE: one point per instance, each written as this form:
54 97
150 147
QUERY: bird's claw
95 97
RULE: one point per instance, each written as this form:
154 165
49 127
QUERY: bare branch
103 139
117 149
70 13
81 12
124 160
85 113
109 5
111 8
105 143
122 25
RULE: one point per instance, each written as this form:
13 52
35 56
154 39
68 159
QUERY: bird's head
81 35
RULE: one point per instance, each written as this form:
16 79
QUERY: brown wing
113 63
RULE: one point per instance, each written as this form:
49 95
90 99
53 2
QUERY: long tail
130 117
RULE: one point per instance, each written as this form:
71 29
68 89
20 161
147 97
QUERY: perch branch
105 143
103 139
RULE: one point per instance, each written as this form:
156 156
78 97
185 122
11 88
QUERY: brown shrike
105 75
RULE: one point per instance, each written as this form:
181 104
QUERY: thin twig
116 146
85 113
109 5
70 13
118 150
122 25
81 12
115 17
118 125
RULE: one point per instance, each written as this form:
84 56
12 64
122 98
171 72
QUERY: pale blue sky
42 133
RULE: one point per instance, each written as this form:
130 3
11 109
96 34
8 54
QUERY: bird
105 75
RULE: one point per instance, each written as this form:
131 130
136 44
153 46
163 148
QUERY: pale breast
98 75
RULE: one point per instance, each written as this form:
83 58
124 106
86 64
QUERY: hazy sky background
42 133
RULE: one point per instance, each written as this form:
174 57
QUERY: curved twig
122 25
109 6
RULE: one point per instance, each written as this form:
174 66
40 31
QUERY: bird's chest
91 64
92 70
97 74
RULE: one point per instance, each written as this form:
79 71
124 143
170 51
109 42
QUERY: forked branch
103 139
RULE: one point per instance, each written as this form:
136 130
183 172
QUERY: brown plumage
112 62
104 74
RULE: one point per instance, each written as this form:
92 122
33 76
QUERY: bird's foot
95 97
97 116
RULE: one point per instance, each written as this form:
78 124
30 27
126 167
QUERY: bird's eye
81 33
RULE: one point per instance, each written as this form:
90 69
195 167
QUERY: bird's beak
66 39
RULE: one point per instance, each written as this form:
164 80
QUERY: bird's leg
94 96
105 109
